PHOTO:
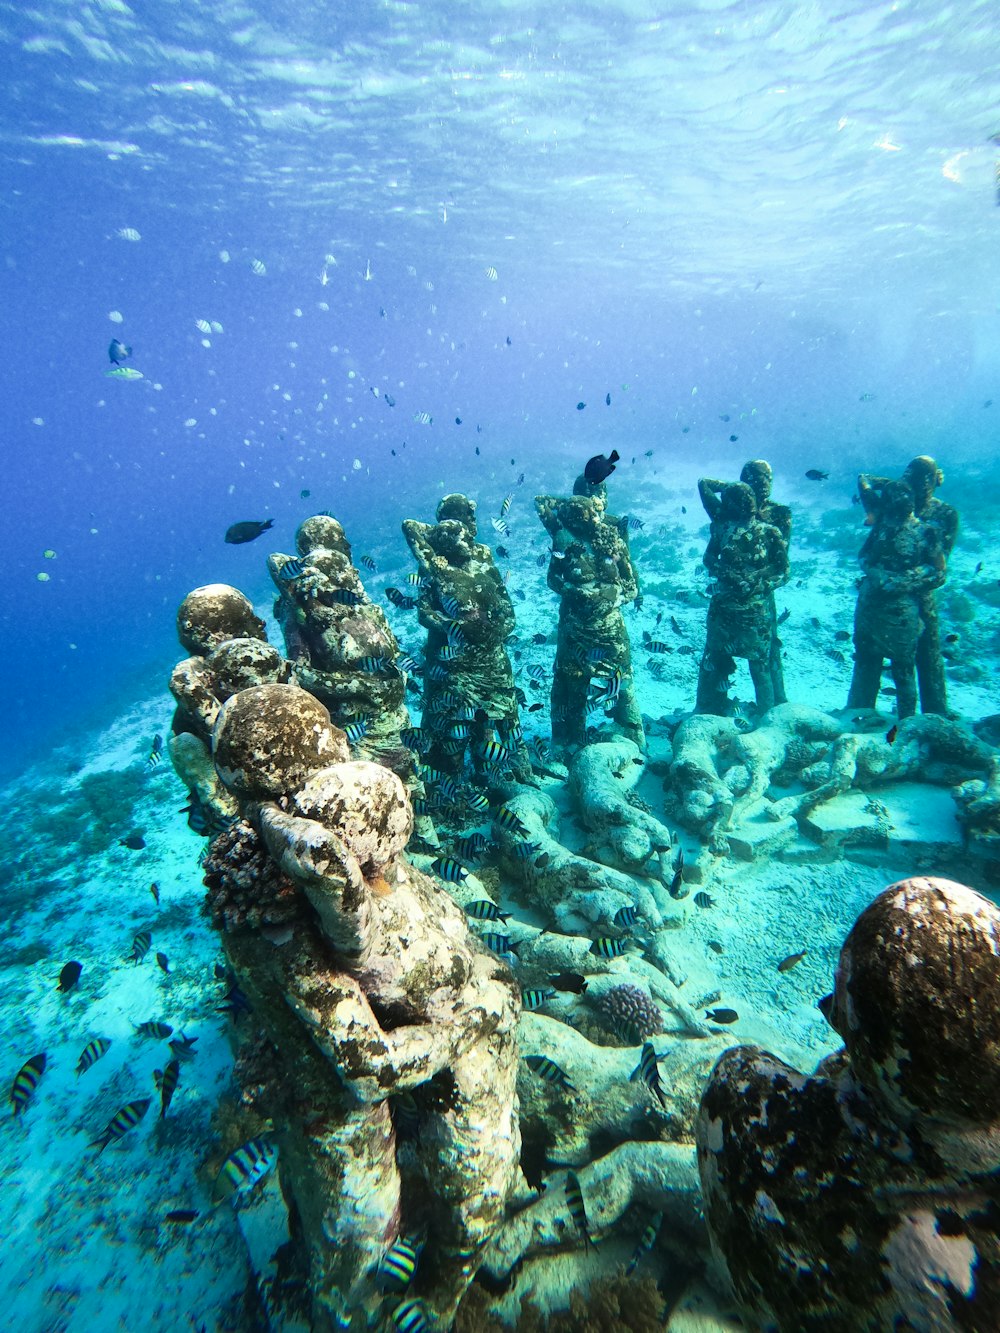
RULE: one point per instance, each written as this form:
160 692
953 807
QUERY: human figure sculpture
757 474
903 564
923 476
866 1196
591 571
747 559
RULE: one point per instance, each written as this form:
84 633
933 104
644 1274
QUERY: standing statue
747 558
757 474
591 570
903 565
923 476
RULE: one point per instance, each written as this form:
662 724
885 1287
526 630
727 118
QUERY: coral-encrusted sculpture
470 702
866 1197
591 570
382 986
229 652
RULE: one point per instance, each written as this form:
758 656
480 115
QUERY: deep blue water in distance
757 211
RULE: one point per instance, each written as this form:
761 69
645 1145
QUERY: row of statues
904 561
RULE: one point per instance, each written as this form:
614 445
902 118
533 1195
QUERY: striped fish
501 526
374 666
536 672
369 563
416 580
357 730
606 947
405 1114
469 849
140 945
508 500
483 909
577 1211
448 789
405 662
460 731
534 999
509 822
437 673
450 870
524 851
496 943
411 1317
343 597
26 1081
454 747
430 775
646 1242
495 753
549 1071
451 606
124 1120
244 1167
478 801
647 1071
626 916
456 638
291 570
91 1053
155 751
166 1080
449 654
397 1267
416 738
152 1028
400 600
657 647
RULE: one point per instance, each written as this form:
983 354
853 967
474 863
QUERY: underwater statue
866 1196
747 559
379 1037
923 476
757 474
470 706
903 562
591 570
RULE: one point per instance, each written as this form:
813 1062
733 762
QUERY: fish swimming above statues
240 533
599 468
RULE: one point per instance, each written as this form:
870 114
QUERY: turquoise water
366 259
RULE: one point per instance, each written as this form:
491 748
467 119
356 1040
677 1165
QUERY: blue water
759 210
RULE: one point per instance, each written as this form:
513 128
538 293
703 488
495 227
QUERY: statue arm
708 490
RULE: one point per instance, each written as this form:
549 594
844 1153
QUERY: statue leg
930 663
904 677
713 681
867 674
760 674
774 661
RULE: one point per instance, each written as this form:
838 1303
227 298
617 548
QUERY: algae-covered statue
591 570
757 474
363 977
923 476
867 1196
903 562
747 559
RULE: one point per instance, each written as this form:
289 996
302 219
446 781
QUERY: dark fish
534 708
722 1015
979 568
163 961
607 399
814 474
599 468
791 961
715 946
235 1004
304 494
892 733
580 406
704 900
647 1071
135 842
118 352
733 439
572 982
676 886
69 976
458 421
26 1081
154 889
181 1216
577 1211
784 615
239 533
124 1120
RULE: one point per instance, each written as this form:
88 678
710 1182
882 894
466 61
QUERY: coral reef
591 571
629 1013
470 703
379 991
245 887
865 1197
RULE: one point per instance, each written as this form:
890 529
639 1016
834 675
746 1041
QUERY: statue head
897 501
924 477
757 475
737 503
